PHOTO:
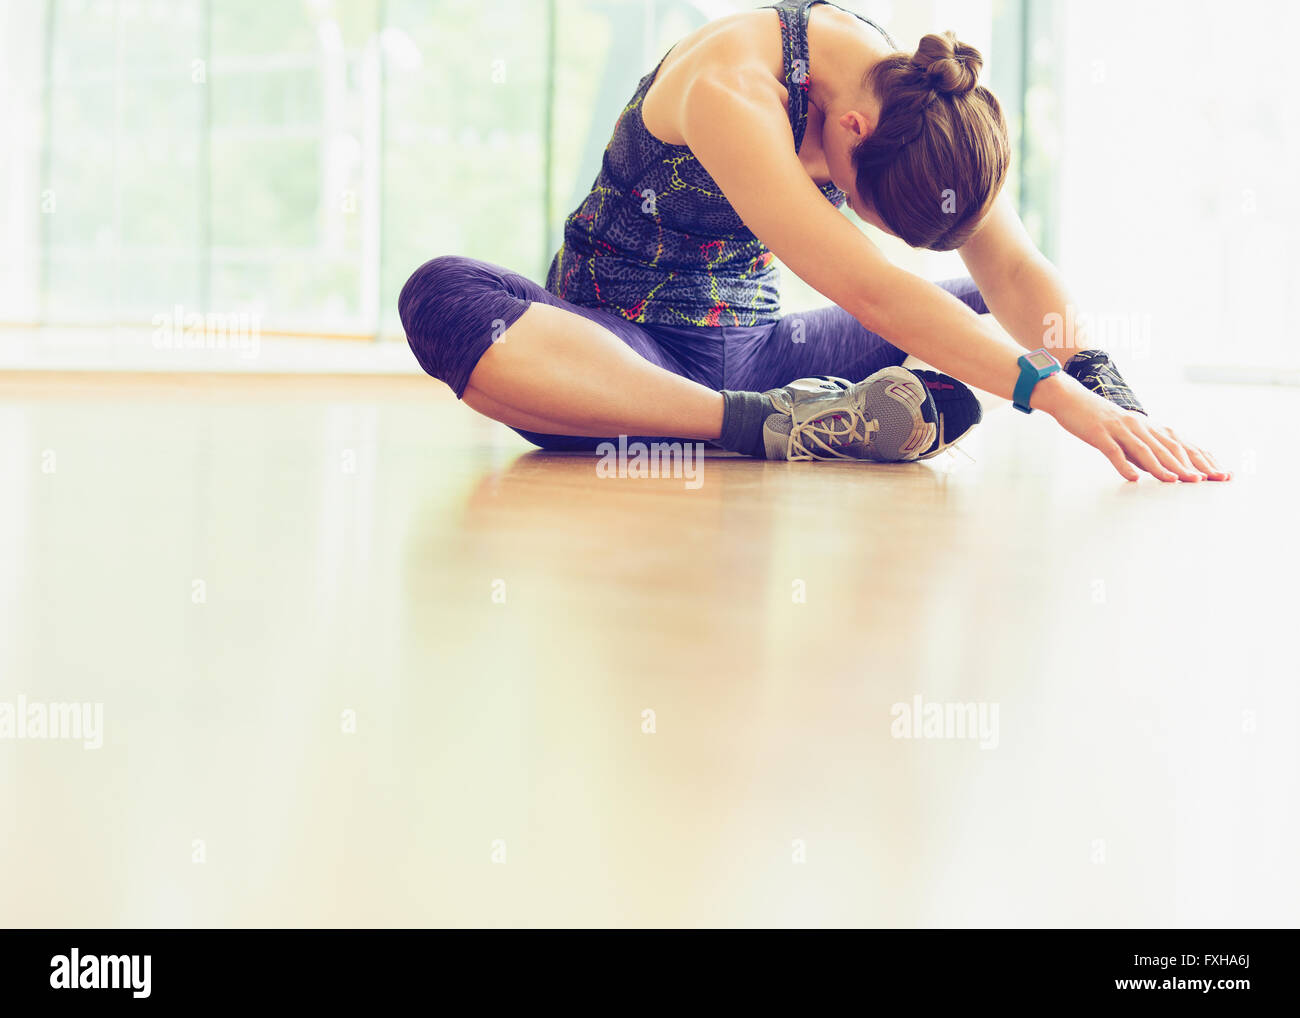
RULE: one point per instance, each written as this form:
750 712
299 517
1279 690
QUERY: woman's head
939 152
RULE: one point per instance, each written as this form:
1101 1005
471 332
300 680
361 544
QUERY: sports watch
1034 367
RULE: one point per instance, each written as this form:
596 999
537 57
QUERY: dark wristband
1095 371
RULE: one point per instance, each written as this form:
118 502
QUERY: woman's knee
965 290
431 288
452 309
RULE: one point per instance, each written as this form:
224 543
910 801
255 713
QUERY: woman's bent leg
526 358
558 372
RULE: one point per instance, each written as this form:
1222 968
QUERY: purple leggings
453 308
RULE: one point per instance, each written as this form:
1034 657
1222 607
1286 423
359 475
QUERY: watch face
1041 360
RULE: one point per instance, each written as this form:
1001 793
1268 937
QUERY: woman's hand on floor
1129 440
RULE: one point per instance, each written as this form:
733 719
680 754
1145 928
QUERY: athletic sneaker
888 417
959 410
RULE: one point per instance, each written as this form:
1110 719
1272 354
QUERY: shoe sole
902 437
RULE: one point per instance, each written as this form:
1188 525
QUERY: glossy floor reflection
364 659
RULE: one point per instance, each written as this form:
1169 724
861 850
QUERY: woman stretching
661 314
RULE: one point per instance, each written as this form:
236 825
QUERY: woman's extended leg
827 341
830 341
526 358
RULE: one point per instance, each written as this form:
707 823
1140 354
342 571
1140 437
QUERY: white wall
1178 139
1179 162
20 119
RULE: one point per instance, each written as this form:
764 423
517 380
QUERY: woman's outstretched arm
734 121
1028 297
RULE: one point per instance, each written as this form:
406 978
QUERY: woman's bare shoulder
740 45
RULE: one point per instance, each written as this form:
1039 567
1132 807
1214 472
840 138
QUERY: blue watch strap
1034 367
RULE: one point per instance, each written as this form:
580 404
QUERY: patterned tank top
656 241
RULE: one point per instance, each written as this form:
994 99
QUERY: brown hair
938 156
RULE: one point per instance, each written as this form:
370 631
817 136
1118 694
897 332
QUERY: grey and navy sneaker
959 410
888 417
1097 372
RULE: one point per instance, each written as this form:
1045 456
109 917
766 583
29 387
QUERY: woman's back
656 241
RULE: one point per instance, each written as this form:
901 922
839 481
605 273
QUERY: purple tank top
656 241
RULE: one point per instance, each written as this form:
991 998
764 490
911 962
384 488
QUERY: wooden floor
589 700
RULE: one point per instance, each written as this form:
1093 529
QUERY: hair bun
946 65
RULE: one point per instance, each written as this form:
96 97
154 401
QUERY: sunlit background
293 160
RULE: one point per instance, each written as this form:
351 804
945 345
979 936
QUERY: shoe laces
818 438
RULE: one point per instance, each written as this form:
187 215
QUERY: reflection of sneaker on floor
959 409
887 417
